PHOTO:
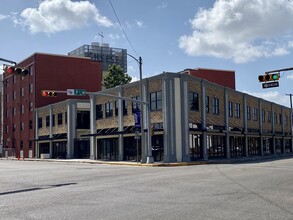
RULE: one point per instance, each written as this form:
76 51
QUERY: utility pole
291 121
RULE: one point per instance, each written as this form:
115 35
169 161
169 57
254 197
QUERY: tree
116 77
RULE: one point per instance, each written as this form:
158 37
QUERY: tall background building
103 53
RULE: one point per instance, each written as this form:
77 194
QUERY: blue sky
250 37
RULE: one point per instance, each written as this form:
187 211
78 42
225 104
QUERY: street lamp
149 158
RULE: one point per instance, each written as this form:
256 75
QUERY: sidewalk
254 159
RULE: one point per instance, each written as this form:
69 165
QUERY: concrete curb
160 164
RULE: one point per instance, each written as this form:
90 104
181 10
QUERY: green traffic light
275 76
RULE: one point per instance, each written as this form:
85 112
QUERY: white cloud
272 96
139 23
114 36
2 17
163 5
241 30
58 15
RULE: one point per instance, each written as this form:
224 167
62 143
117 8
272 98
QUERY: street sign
270 85
76 92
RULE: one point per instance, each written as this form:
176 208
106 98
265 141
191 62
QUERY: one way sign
270 85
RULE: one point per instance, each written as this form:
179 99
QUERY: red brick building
22 95
221 77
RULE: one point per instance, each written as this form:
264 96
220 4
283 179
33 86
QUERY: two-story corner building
22 95
194 119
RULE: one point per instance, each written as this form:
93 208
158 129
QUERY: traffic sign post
270 85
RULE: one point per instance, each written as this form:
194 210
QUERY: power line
122 28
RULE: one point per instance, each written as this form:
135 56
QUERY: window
255 114
215 102
286 120
14 79
30 124
269 117
22 92
248 113
60 118
280 119
47 121
65 117
99 111
207 104
21 126
7 113
135 105
53 120
109 109
275 118
7 97
22 109
156 100
30 88
21 144
263 115
230 109
31 106
7 129
14 128
40 122
14 111
193 101
30 144
124 106
237 110
31 70
14 95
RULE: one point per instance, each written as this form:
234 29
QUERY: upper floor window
275 118
40 122
124 107
215 102
22 126
30 124
109 109
269 117
255 114
31 106
230 109
207 104
31 88
280 119
135 105
99 111
22 92
14 111
60 118
14 79
237 110
47 121
31 70
14 95
22 109
248 113
193 101
156 100
263 115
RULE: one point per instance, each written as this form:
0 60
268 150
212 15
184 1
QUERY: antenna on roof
102 37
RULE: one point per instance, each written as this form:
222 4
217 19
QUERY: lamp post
149 158
291 121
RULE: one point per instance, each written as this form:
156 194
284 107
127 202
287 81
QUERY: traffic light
16 70
269 77
49 93
152 130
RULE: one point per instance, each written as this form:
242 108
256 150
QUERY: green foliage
116 77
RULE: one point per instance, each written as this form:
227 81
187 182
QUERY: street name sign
270 85
76 92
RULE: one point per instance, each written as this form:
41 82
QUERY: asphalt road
55 190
